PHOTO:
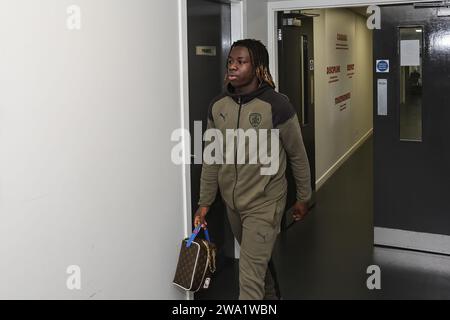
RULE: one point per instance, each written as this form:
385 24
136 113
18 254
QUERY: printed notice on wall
410 53
340 63
382 97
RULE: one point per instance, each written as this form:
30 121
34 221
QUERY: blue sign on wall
382 66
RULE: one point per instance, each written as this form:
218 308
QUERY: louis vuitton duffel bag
196 262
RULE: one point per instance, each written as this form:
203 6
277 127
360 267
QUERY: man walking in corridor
255 200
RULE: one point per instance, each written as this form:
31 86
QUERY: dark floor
326 256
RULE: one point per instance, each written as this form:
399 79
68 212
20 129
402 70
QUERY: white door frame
238 19
238 31
184 111
273 7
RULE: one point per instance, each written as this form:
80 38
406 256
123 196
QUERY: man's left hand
300 210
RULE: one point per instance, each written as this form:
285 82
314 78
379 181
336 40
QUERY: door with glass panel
411 128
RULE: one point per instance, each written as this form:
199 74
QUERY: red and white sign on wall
340 34
350 70
342 101
333 73
341 41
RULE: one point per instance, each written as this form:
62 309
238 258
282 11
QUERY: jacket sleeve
292 141
209 177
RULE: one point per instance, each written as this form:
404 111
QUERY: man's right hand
199 217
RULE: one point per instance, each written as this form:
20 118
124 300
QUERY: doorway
412 144
296 81
212 26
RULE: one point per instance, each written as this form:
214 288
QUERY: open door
296 80
209 41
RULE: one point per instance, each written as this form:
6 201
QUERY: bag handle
195 233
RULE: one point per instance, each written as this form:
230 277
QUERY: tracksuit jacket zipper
235 153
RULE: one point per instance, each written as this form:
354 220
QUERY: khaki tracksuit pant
256 232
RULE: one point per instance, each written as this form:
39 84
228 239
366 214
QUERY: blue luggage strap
195 233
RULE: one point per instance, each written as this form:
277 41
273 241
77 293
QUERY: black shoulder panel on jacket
282 109
213 101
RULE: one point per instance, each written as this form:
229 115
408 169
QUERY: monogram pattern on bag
185 273
202 263
185 266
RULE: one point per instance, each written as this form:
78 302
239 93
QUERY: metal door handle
302 75
304 79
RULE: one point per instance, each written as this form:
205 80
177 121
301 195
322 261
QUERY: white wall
336 132
362 117
85 172
257 20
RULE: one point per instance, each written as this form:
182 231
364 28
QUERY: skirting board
429 242
340 162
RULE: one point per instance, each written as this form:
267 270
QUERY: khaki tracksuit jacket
242 186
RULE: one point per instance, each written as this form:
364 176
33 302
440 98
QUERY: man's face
240 69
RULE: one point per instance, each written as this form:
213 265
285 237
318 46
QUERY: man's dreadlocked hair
259 58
